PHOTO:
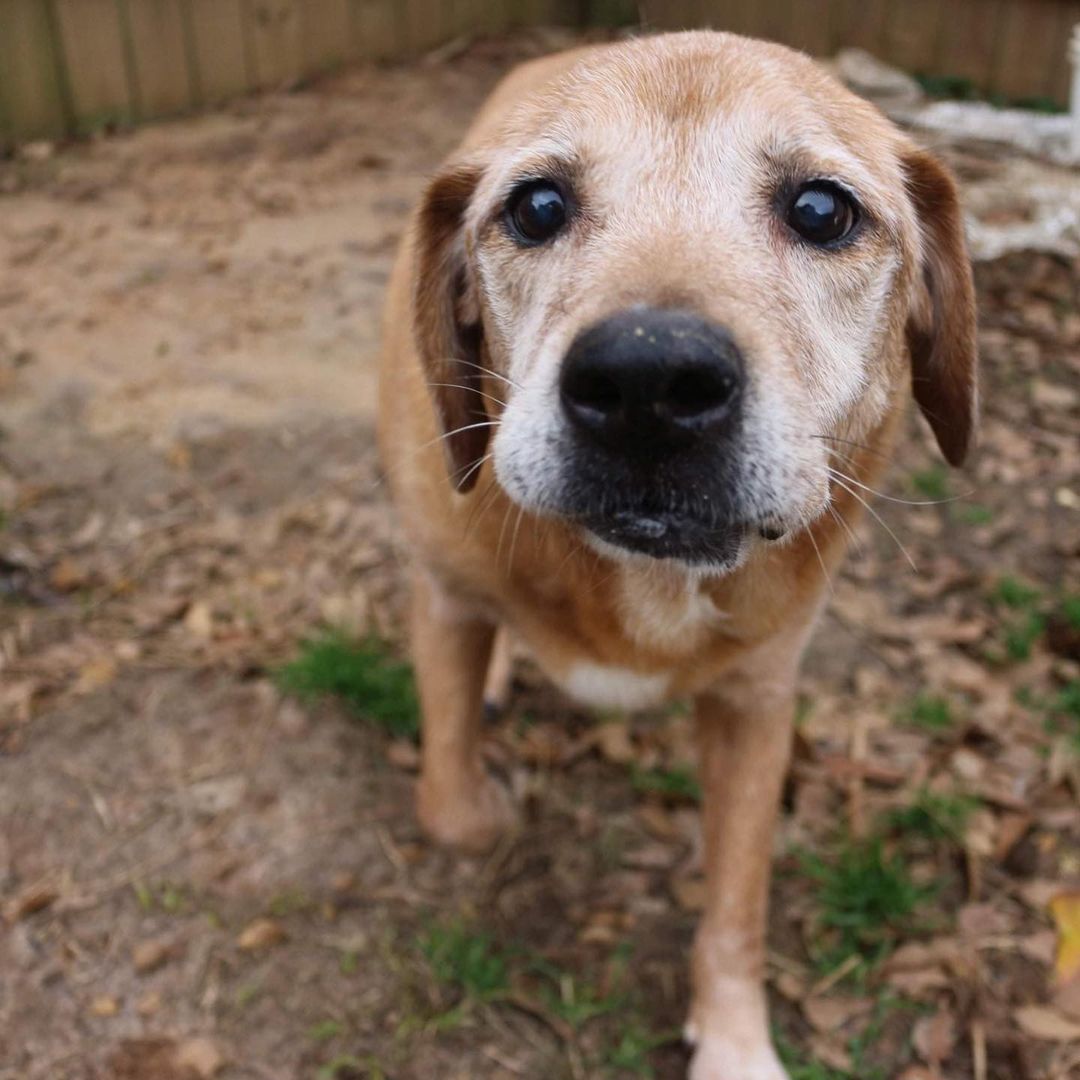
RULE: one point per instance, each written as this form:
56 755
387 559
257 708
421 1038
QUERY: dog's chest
661 623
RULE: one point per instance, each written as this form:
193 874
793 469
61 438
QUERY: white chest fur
603 687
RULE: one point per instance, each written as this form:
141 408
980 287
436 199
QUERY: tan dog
646 344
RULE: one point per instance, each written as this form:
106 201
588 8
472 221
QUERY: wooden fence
75 66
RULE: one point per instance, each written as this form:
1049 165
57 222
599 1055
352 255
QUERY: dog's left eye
536 212
822 213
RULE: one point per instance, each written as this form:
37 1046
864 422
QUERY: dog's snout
647 377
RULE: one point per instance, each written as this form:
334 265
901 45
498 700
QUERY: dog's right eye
536 212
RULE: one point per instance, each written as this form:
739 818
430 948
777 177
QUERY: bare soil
202 877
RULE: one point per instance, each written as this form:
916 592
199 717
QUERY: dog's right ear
446 321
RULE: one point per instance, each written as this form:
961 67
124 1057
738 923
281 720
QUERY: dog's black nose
650 378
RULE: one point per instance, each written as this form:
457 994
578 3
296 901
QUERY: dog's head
680 279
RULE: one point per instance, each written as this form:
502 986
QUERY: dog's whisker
880 520
470 389
476 465
843 523
821 560
483 505
487 371
893 498
513 540
853 442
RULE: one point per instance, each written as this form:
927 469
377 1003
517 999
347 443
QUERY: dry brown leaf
829 1014
148 956
261 934
104 1005
67 575
935 1036
199 620
1042 1022
614 742
200 1055
31 901
689 893
96 674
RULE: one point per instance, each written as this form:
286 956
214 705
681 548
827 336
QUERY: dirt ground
201 875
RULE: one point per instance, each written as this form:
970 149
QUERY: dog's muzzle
652 398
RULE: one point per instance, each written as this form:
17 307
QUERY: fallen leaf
1042 1022
260 934
104 1005
829 1014
200 1055
935 1036
1065 908
31 902
199 620
148 956
689 893
96 674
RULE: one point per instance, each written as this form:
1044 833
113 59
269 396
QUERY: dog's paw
718 1057
471 819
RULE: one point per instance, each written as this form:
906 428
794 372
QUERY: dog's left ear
446 322
941 331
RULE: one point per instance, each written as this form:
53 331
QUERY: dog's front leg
457 802
744 737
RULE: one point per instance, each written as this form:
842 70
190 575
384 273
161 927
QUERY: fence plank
1060 71
217 27
912 34
273 29
376 29
1027 48
424 23
810 27
32 92
862 23
91 39
324 34
164 78
967 41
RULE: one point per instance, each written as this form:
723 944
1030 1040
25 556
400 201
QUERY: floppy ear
941 327
446 321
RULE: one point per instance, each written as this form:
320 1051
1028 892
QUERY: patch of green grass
931 482
288 903
1024 622
867 898
799 1068
349 1067
466 960
677 783
929 712
1070 610
972 514
961 88
1014 593
574 1000
349 962
635 1044
325 1030
1020 635
362 675
934 815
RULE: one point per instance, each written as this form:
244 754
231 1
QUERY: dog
647 345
